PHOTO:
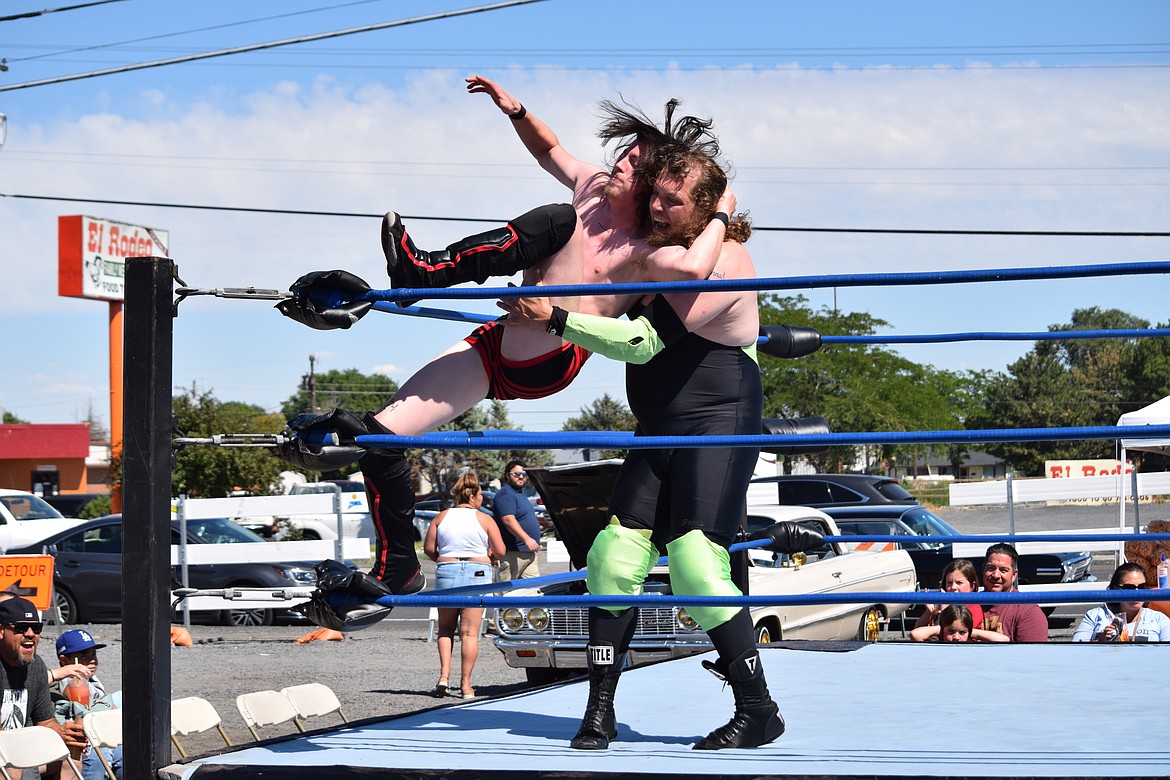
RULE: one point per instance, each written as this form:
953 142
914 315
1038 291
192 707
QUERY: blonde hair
465 488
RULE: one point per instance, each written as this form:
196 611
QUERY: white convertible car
549 642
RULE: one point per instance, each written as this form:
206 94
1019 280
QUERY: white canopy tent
1157 413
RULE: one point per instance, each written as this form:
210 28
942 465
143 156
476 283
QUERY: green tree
604 414
966 391
209 472
1082 382
856 387
12 419
340 389
442 467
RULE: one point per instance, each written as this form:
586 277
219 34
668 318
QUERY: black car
70 504
822 490
930 558
87 575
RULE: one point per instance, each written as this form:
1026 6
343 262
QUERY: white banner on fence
1044 489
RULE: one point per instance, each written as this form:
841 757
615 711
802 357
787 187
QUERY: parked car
355 515
71 504
26 518
821 490
87 575
549 642
930 558
328 486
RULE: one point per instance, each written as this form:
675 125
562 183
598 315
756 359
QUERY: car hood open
577 499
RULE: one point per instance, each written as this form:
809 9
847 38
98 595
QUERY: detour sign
28 576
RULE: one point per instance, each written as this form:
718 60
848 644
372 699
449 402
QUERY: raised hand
508 104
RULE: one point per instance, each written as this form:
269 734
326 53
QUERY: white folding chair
103 729
312 700
194 715
32 746
266 708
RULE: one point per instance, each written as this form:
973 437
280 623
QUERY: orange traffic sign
28 576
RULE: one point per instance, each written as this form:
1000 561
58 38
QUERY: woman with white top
1125 621
464 542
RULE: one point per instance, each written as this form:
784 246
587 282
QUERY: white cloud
928 148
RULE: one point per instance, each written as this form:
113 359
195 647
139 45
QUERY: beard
679 234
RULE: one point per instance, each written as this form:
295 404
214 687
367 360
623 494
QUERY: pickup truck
549 642
355 516
26 518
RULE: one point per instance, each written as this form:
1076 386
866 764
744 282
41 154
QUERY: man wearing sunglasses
518 525
25 696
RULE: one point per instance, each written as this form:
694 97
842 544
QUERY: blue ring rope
660 600
927 338
507 440
779 283
466 591
994 538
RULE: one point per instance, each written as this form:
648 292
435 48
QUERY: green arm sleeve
630 341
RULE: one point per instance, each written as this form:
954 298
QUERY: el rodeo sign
92 252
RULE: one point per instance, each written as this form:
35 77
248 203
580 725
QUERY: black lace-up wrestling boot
757 719
502 251
609 638
599 725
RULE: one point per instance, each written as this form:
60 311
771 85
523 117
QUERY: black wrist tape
523 112
558 321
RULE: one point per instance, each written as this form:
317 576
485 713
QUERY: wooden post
146 520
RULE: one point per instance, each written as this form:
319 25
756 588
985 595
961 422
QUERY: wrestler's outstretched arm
541 142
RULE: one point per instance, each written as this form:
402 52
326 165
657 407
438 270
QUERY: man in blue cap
78 647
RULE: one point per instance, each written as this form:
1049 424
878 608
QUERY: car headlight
538 618
512 618
685 620
297 574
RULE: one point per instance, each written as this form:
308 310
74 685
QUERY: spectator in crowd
77 647
956 623
959 576
1124 621
464 542
56 673
518 523
25 697
1018 622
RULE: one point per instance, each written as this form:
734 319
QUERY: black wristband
523 112
558 321
722 217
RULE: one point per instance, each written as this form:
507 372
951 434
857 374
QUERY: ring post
146 520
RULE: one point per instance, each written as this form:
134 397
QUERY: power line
31 14
83 154
266 45
122 44
432 218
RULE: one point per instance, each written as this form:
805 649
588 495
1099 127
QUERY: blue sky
990 115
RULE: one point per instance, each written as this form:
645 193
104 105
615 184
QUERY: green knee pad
619 561
699 567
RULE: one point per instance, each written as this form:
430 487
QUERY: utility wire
266 45
431 218
120 44
31 14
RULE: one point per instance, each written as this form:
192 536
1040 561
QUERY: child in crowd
955 624
959 576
